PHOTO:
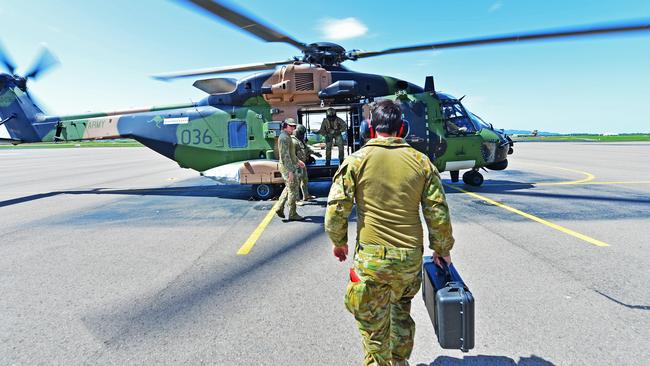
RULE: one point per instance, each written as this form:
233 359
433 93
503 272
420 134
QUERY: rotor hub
324 53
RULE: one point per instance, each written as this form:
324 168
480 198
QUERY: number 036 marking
195 137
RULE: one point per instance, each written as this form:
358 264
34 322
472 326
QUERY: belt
381 251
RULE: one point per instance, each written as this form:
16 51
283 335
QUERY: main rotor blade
45 61
6 61
246 22
592 30
221 70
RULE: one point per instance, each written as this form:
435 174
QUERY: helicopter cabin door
415 118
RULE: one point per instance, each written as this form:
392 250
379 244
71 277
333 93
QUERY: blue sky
108 49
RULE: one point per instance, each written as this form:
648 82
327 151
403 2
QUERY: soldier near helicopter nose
291 168
389 181
304 153
331 128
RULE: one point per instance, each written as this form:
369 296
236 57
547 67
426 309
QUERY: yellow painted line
252 239
588 177
576 234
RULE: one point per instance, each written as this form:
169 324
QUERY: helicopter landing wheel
264 192
473 178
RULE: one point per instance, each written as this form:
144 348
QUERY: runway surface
118 256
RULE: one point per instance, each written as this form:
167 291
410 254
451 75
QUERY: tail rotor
6 60
44 62
18 110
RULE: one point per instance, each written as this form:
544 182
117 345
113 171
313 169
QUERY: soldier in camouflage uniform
331 128
291 168
388 180
303 152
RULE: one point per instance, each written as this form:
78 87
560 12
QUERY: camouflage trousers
381 301
329 141
289 193
304 180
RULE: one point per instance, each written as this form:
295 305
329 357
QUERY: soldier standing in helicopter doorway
331 128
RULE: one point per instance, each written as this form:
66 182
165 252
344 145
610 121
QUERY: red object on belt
353 276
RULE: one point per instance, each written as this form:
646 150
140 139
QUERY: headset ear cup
372 131
401 130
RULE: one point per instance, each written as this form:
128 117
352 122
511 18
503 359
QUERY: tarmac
114 256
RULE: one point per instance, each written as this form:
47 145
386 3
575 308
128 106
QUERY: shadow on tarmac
635 307
233 191
598 198
493 186
483 360
226 191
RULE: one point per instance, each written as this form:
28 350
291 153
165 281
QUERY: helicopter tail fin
19 114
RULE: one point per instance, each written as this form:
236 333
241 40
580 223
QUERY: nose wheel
265 192
473 178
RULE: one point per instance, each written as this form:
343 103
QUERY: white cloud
336 29
496 6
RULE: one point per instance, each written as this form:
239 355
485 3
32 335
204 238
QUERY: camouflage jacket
303 151
287 150
389 181
332 128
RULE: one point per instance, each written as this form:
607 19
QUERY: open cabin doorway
312 117
352 114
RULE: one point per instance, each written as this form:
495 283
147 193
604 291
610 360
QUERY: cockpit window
456 119
479 121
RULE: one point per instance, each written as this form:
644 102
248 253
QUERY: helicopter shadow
226 191
493 186
485 360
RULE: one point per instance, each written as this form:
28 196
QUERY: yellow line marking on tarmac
576 234
589 177
252 239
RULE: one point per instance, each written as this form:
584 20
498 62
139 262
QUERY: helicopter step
266 179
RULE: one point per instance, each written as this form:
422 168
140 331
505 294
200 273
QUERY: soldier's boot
279 206
293 214
306 196
296 217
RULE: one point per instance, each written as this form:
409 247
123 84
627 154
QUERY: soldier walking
291 168
304 153
331 128
389 181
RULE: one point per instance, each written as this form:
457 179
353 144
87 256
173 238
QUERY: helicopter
240 119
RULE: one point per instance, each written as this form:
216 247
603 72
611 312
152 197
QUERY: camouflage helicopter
240 120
